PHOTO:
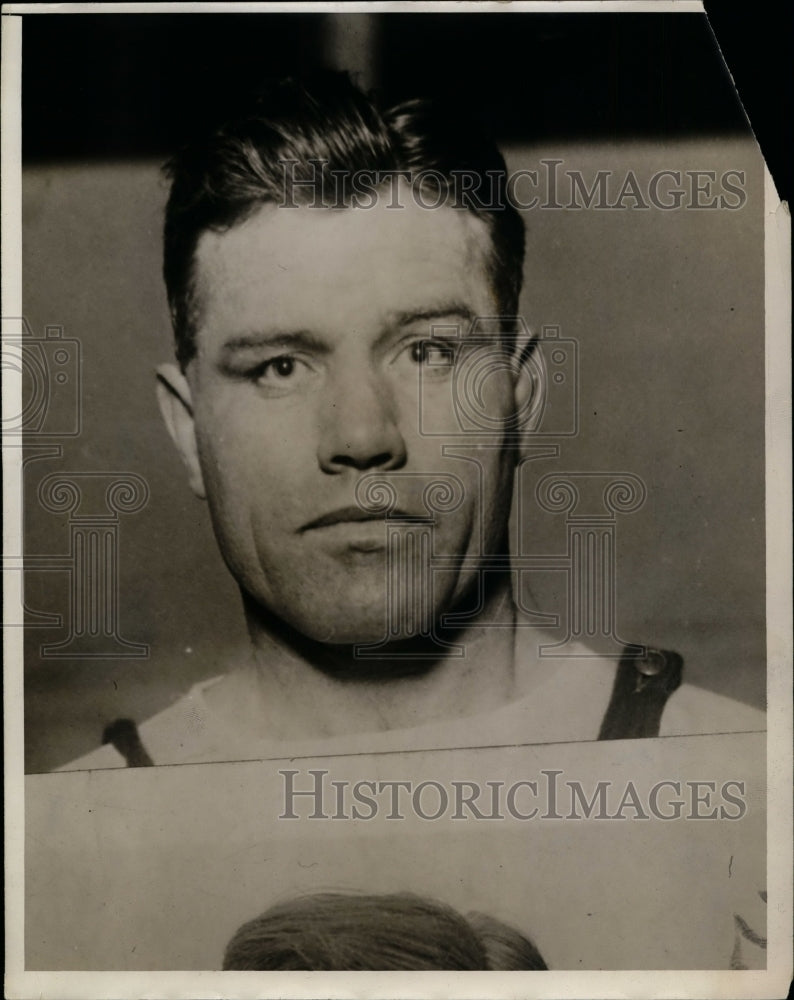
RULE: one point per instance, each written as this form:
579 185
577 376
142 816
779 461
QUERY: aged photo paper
397 505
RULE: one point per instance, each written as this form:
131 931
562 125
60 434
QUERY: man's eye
281 373
432 352
276 369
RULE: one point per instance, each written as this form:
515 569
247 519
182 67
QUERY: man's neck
293 689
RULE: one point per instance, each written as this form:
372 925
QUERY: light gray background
668 311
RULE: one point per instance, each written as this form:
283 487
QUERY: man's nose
359 427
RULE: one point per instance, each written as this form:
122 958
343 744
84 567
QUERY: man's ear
176 406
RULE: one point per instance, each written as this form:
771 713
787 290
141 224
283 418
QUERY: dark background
757 43
572 75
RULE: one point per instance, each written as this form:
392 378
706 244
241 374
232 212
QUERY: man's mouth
353 515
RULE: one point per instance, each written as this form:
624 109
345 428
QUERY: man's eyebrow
287 339
443 311
309 341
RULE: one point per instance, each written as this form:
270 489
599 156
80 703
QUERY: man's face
314 344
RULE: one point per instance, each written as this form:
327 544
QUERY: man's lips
348 515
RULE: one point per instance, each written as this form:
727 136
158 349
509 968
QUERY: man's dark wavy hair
222 178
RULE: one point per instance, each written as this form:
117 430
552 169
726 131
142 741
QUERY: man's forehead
406 256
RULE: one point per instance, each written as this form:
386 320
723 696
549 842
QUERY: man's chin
345 624
356 624
351 630
348 626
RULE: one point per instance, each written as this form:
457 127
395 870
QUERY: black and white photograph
397 480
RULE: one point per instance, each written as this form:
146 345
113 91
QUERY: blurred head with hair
338 932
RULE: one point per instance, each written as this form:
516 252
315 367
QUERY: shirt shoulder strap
123 735
640 693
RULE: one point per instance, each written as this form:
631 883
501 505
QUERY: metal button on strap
654 663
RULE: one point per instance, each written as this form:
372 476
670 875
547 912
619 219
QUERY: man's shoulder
181 733
578 684
101 758
563 695
693 710
558 699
